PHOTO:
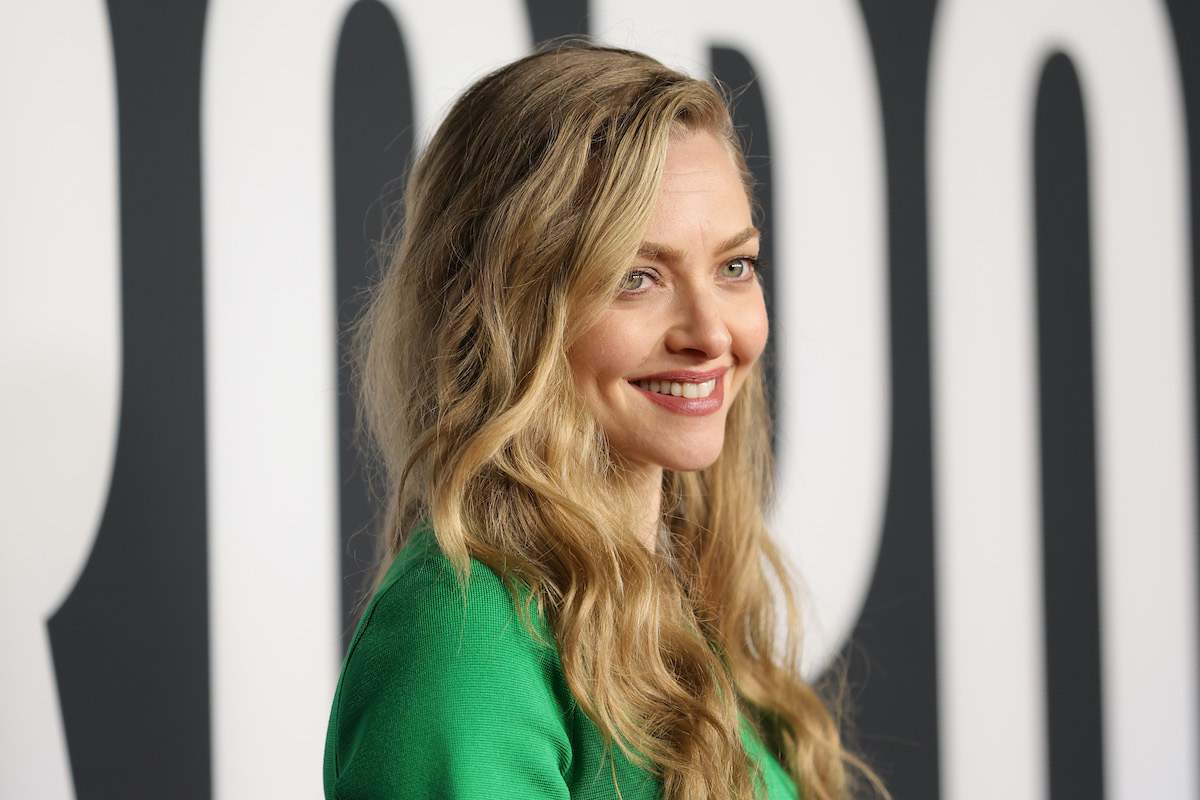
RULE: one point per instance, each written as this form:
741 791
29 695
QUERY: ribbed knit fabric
446 696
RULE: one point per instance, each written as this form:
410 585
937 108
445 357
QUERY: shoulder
445 687
425 625
422 601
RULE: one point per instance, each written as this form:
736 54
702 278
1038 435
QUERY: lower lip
688 406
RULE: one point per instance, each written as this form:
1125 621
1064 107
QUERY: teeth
679 388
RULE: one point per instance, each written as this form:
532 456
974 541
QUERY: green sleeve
446 697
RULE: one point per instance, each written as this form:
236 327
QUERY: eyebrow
669 254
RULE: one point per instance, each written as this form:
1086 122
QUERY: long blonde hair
521 217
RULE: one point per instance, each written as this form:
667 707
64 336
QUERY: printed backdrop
982 278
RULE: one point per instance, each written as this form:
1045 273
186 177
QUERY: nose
699 325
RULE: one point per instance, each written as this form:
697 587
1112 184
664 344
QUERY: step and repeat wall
980 223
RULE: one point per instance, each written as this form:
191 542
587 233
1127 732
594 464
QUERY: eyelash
753 262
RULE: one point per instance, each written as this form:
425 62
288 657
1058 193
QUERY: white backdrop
269 332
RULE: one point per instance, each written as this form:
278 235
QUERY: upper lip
683 376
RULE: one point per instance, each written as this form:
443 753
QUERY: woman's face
663 363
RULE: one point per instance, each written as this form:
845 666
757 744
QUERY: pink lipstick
684 392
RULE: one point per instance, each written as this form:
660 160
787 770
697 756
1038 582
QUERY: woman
560 371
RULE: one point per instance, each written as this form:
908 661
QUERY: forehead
691 151
701 188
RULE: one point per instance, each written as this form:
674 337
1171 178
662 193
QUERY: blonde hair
521 217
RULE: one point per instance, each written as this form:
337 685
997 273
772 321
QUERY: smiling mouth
679 388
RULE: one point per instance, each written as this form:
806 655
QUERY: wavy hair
521 217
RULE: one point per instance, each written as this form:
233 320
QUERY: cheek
588 353
610 350
595 360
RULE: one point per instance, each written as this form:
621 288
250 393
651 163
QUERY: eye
739 267
636 279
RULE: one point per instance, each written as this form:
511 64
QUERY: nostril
701 328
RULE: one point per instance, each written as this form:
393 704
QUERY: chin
688 452
692 462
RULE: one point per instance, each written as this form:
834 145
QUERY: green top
441 699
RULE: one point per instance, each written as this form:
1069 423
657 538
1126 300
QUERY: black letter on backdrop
551 18
131 642
1185 25
896 632
372 147
1068 448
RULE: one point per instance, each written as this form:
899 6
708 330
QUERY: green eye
737 268
633 281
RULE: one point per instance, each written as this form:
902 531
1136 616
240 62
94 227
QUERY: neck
647 492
